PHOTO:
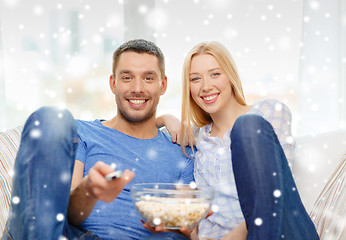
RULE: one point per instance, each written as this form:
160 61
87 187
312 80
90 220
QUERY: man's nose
138 85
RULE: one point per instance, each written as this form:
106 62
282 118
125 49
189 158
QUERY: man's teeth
136 101
210 97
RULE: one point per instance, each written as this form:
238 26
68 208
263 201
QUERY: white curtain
321 80
2 85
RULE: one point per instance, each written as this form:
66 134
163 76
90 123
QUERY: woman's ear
112 83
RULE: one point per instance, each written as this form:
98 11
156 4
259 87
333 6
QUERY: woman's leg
42 180
267 193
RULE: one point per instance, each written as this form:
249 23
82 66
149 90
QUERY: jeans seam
8 234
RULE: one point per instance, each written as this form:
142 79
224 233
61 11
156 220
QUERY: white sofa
317 157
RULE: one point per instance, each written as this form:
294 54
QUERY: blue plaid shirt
213 167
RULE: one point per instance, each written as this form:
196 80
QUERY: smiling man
131 142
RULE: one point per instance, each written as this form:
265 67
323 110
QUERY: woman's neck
225 119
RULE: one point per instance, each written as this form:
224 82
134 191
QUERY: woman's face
209 86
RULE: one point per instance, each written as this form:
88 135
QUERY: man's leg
42 179
268 195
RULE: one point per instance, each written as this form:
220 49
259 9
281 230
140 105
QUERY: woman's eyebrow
213 69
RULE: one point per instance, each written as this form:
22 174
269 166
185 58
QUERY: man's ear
163 85
112 83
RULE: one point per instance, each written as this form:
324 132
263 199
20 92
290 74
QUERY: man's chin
136 118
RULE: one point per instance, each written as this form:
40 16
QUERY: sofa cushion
9 144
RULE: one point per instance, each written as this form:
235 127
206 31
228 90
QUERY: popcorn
173 212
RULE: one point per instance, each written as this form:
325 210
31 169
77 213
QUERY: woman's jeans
42 179
268 195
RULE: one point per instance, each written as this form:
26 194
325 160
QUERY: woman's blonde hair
191 113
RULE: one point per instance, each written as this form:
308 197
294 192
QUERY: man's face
137 86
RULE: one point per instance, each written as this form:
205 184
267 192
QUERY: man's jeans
42 179
268 195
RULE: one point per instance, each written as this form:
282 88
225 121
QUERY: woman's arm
239 233
172 125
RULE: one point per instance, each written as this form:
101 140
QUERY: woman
240 153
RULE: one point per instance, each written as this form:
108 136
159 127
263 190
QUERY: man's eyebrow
150 73
124 72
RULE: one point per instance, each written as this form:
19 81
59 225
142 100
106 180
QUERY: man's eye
149 78
126 77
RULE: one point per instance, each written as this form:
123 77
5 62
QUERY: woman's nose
206 85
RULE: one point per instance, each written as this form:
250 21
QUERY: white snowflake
277 193
65 177
15 200
60 217
193 185
157 19
151 153
35 133
38 10
142 9
215 208
258 221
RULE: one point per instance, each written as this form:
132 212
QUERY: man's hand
102 189
88 190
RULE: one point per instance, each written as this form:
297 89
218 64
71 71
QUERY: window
60 53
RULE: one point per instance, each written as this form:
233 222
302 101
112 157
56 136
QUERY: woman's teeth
210 97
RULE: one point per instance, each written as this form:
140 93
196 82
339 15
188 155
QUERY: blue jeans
42 179
267 193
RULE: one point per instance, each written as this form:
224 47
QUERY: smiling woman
243 152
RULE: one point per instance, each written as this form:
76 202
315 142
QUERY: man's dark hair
140 46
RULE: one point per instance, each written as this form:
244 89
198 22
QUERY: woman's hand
190 233
172 124
173 127
239 233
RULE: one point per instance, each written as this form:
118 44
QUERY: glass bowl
171 205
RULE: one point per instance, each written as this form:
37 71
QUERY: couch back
9 144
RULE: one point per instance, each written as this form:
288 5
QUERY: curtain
2 85
321 85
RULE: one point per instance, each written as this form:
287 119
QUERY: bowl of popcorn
171 205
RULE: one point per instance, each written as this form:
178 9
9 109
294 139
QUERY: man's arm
85 192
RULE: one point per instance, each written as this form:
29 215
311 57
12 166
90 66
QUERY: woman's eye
194 79
215 74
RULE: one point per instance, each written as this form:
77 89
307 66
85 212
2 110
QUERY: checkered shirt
213 167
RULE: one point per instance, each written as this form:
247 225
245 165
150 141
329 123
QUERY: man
41 208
